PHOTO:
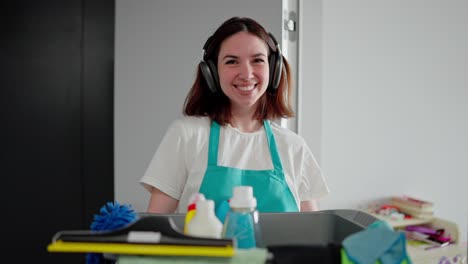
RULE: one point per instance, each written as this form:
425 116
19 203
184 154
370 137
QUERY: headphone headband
206 45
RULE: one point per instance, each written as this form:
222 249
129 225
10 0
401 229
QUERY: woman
227 138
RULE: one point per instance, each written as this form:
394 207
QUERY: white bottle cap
243 197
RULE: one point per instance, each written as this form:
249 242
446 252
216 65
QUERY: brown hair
273 104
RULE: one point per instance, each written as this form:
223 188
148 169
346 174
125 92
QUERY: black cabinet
56 95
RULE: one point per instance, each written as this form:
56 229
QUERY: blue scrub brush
112 216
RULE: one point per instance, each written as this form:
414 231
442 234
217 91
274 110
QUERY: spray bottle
205 223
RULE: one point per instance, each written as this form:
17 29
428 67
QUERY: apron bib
269 186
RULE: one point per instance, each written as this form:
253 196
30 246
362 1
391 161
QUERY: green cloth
243 256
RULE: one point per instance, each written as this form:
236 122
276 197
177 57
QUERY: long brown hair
273 104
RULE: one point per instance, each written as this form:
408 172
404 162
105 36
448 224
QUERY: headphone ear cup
276 67
208 76
214 73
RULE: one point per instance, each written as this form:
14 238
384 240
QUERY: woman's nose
246 71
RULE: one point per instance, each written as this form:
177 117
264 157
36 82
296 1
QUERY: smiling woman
159 45
227 138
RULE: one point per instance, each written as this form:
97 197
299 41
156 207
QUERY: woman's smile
245 88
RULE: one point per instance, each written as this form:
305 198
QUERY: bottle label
242 228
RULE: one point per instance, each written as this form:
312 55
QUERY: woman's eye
230 62
259 60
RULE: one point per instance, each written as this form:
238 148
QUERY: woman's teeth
245 88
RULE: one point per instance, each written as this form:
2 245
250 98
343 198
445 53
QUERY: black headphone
210 73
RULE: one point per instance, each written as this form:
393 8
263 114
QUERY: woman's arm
161 203
309 206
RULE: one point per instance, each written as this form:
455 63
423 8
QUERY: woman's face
243 69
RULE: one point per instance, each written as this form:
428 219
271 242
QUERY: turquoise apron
269 186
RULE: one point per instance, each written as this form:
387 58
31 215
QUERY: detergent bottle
241 221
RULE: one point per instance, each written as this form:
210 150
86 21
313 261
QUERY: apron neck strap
275 158
214 141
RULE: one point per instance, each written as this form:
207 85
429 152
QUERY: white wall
158 45
394 101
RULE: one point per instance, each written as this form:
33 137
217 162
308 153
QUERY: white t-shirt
179 164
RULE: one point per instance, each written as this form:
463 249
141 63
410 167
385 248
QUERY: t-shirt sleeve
313 185
167 169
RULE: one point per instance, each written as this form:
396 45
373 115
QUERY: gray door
158 47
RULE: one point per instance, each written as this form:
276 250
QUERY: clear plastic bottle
241 221
205 223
